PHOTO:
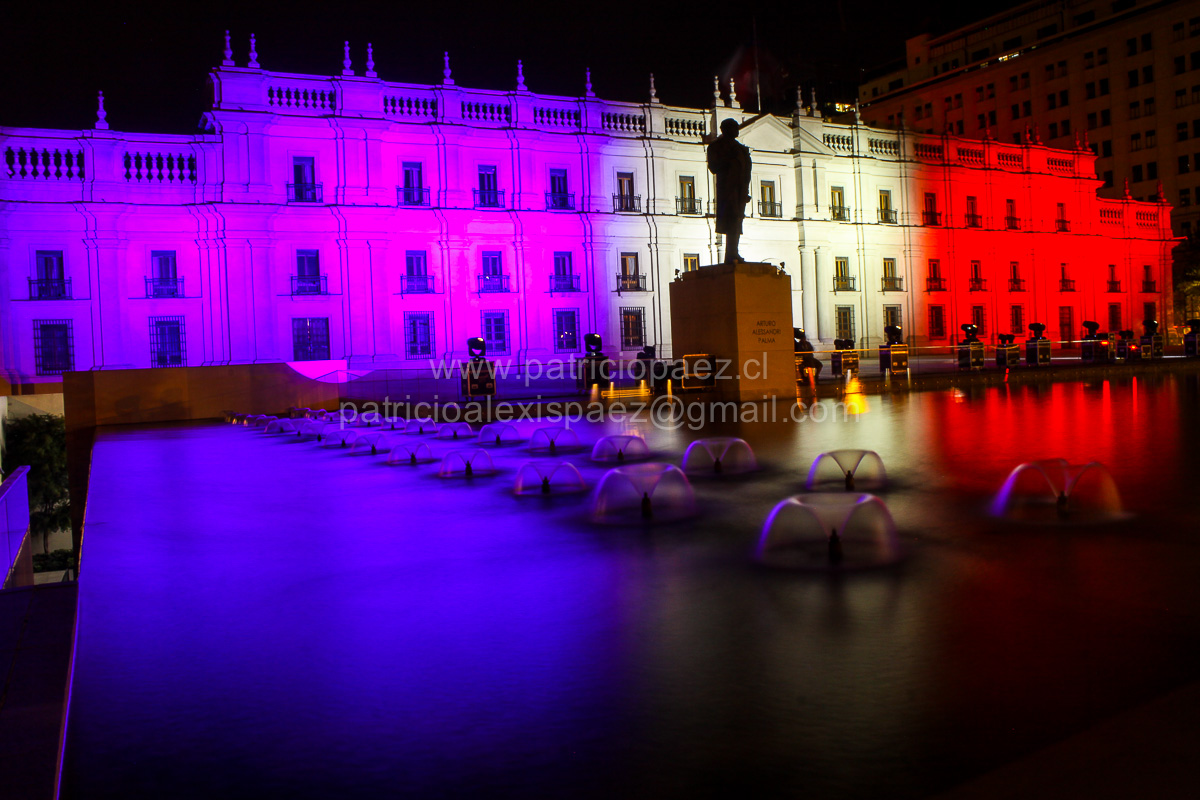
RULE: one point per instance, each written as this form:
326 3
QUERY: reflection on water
261 616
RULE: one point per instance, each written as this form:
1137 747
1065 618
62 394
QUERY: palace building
350 217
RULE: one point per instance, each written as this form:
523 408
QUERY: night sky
151 59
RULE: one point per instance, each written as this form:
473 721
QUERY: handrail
14 515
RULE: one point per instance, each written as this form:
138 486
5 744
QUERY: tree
1185 268
40 442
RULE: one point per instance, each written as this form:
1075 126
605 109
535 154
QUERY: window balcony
977 285
630 283
309 284
564 283
412 196
843 283
1016 284
893 283
416 284
493 284
49 288
1149 287
488 198
935 284
840 213
974 220
689 205
304 193
164 287
1066 284
627 203
1062 225
1114 287
887 215
769 210
1012 223
931 218
560 201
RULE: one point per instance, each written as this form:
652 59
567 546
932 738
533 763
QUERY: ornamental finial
653 91
733 101
521 87
101 114
587 83
717 91
346 59
370 73
446 79
1127 187
799 99
228 62
253 63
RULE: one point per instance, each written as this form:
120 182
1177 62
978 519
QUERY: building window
892 316
1066 325
842 281
1148 73
687 203
630 278
891 281
1137 173
979 319
418 334
886 212
625 199
308 278
566 330
633 328
768 205
564 278
1103 87
167 348
977 281
163 280
51 282
844 323
691 262
416 278
1016 319
53 346
310 339
488 195
1015 282
1135 141
1114 316
1149 310
304 187
1184 165
1011 221
495 332
937 322
930 215
560 197
837 204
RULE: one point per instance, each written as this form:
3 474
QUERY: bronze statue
729 162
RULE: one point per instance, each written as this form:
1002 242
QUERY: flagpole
757 87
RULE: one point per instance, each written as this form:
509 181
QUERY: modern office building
383 223
1122 77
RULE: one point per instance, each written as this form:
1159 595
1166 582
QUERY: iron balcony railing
770 210
1114 287
1066 285
893 283
843 283
416 284
977 285
49 288
309 284
164 287
627 202
412 196
1016 284
1149 286
689 205
630 283
304 192
489 198
840 213
974 220
931 218
564 283
560 201
1062 225
935 284
493 283
887 215
1012 223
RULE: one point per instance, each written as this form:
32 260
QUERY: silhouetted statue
647 510
729 162
835 548
545 486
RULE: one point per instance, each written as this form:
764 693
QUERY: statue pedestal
741 315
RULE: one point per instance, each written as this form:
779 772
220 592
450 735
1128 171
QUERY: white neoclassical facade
350 217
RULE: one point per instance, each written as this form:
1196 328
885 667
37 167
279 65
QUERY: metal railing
770 210
564 283
935 284
977 285
974 220
887 215
488 198
560 201
1066 284
627 202
931 218
893 283
164 287
1114 287
49 288
1062 225
304 192
1016 284
412 196
689 205
14 514
630 283
1149 286
843 283
309 284
839 213
493 283
1012 223
416 284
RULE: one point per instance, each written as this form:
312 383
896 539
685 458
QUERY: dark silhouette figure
717 466
835 548
729 162
412 458
551 445
1061 506
849 481
647 513
804 351
620 455
467 469
545 486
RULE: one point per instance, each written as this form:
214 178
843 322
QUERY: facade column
808 291
823 274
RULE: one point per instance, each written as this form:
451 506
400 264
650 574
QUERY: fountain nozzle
467 469
546 485
849 481
647 511
835 547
